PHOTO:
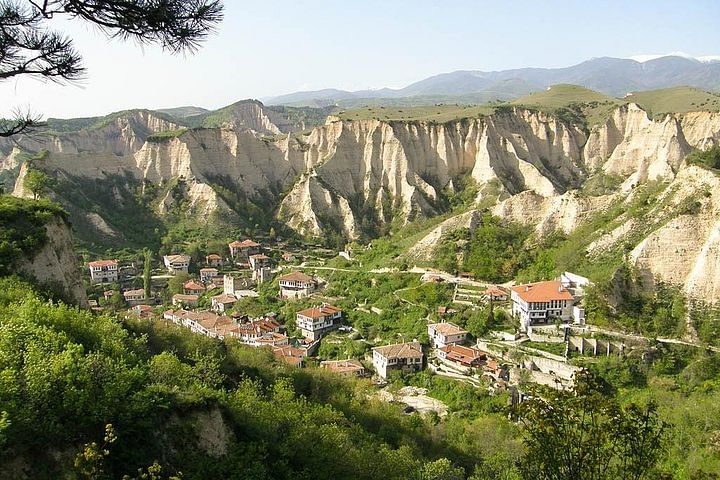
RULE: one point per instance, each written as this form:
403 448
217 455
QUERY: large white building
541 303
316 321
297 285
103 271
177 263
402 356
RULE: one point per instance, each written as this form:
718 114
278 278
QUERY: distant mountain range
612 76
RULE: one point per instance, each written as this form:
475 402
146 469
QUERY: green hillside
572 102
659 103
433 113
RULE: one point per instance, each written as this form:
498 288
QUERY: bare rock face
342 175
686 250
56 264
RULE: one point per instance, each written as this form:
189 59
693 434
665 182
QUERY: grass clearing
659 103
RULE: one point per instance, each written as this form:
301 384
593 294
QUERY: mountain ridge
612 76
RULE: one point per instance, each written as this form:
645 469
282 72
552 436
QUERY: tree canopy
30 46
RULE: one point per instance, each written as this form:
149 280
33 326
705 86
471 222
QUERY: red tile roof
321 311
463 355
243 244
193 285
447 328
495 291
297 277
542 292
401 350
103 263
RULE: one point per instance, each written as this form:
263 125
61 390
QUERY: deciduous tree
586 435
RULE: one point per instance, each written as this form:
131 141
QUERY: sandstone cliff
353 176
56 264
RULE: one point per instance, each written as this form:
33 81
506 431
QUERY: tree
147 266
28 46
585 435
175 284
37 182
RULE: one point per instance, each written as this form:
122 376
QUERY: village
547 327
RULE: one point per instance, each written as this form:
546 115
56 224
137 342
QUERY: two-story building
402 356
207 274
446 333
317 321
177 263
192 287
103 271
296 285
462 358
134 297
243 250
495 294
541 303
214 260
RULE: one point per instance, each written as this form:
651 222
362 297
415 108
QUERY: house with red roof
446 333
461 358
243 250
495 294
296 285
317 321
541 303
103 271
192 287
405 357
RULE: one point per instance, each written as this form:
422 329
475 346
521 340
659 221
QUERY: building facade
177 263
446 333
296 285
404 357
103 271
317 321
541 303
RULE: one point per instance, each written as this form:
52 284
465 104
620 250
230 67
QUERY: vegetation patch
22 228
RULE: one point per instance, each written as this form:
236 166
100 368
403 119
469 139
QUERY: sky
273 47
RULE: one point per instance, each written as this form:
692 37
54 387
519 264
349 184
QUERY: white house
177 263
103 271
134 297
207 274
495 294
541 303
297 285
223 302
446 333
259 261
401 356
316 321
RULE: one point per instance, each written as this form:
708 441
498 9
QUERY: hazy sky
271 47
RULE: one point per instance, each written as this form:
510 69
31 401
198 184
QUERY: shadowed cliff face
355 177
56 264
